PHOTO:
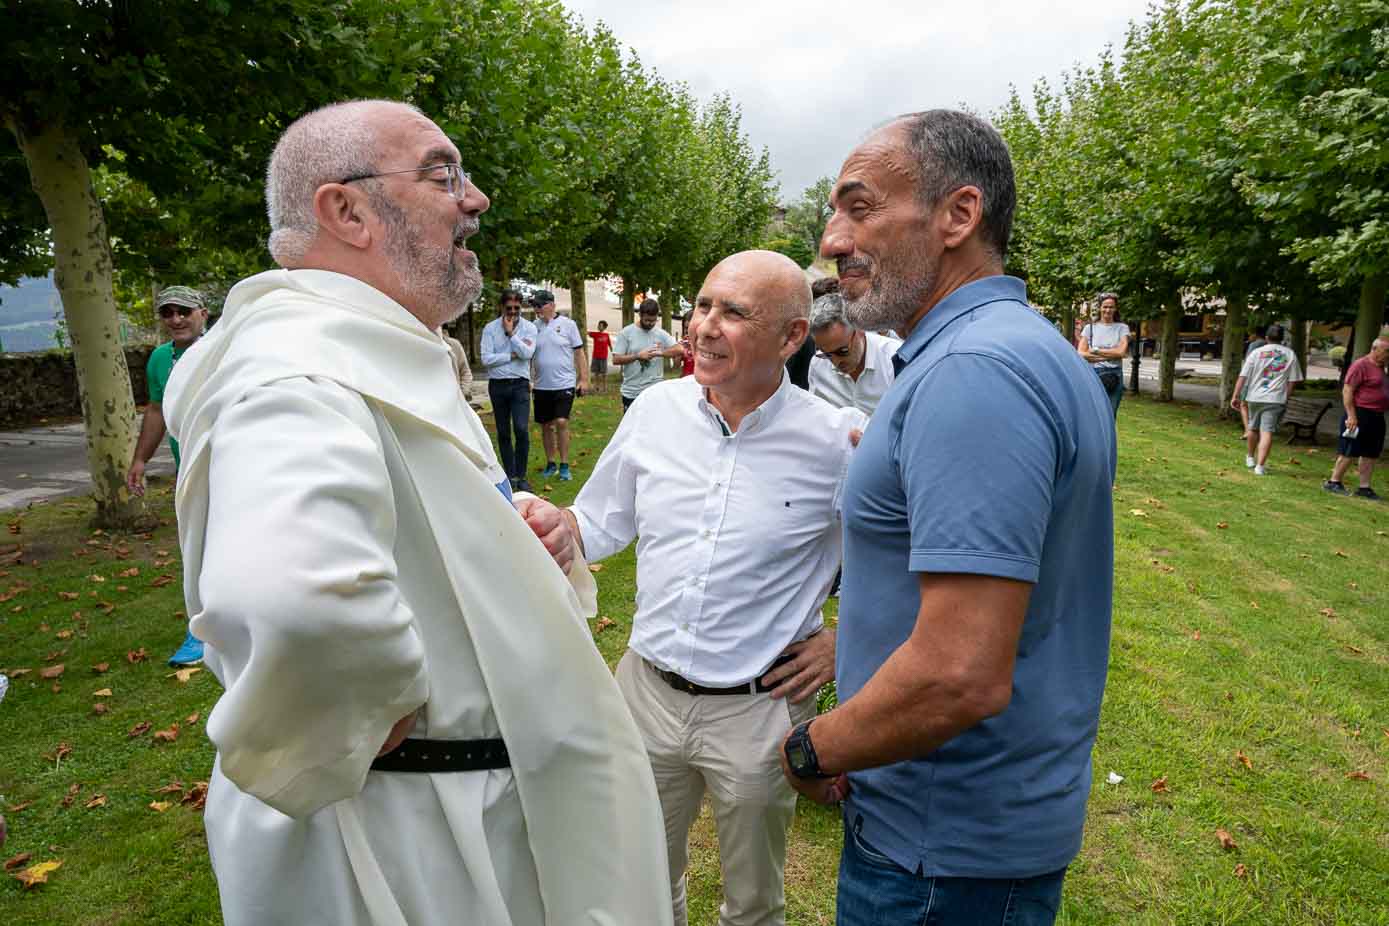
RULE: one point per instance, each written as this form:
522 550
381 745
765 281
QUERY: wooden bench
1305 415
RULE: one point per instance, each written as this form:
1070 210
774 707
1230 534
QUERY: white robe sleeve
300 600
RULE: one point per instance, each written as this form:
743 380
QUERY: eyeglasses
841 352
455 178
167 311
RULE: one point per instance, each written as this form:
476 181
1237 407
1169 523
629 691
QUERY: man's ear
959 215
343 214
795 336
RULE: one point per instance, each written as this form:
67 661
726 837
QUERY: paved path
50 462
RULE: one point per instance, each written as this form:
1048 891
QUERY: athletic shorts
553 403
598 366
1369 443
1266 416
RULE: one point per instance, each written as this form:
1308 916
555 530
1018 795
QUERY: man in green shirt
184 313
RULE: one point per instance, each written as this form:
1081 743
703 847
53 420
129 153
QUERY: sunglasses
167 311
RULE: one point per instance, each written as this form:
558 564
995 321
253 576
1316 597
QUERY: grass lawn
1248 695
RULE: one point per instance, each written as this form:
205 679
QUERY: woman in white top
1104 344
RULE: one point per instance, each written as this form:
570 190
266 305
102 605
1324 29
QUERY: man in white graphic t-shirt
1272 373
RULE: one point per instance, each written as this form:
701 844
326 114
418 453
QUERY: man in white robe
357 569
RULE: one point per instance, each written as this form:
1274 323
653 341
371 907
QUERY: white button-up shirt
738 534
843 391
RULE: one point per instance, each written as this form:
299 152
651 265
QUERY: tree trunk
82 272
1068 322
1232 348
1298 329
1171 323
1371 316
578 304
629 294
668 298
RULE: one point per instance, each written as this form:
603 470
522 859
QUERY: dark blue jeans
511 410
876 891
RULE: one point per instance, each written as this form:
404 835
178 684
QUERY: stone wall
36 386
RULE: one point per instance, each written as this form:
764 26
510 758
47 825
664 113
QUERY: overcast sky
813 76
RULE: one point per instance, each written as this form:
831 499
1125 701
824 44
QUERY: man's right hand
135 479
508 325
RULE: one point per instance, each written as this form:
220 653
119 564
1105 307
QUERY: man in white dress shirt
416 727
729 481
851 368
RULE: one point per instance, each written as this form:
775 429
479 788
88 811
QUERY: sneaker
549 470
1249 461
190 653
1258 471
1335 488
1367 492
564 474
521 485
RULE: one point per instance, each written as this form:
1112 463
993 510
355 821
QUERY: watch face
797 756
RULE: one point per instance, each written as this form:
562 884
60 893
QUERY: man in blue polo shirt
978 554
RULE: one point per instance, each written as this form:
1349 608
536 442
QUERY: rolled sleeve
606 507
978 456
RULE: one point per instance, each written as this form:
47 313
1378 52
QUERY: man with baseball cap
183 311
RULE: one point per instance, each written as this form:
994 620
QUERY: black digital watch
800 753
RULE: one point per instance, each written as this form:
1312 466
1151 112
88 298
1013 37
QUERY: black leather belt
444 756
680 683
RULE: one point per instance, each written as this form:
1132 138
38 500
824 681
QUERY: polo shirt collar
753 419
967 298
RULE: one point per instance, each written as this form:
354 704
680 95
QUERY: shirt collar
966 299
753 419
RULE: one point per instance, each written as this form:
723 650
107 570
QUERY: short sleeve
576 340
666 338
978 450
619 342
1247 369
153 380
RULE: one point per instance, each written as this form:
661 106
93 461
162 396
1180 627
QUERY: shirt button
706 533
685 627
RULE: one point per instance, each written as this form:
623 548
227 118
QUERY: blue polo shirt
993 453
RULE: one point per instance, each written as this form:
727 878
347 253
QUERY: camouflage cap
181 295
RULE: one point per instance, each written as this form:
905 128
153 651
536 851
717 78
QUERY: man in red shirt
602 345
1366 401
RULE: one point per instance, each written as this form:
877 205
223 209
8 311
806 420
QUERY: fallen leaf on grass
160 806
1327 612
183 675
69 596
1354 649
100 707
192 718
603 624
1342 554
15 861
16 673
1358 776
16 808
1354 586
1226 841
595 567
105 607
162 581
161 552
1114 778
167 736
136 655
52 671
57 688
44 628
130 573
97 801
63 634
1254 605
55 655
1244 760
1159 786
1138 512
140 729
196 796
122 588
38 874
1240 870
58 754
1294 461
71 795
103 693
173 787
1222 524
1196 635
96 578
101 667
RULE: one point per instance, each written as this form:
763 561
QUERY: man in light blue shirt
508 343
978 554
561 366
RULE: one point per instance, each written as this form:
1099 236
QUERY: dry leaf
103 693
52 671
63 634
192 718
130 573
38 874
44 628
183 675
68 596
54 655
58 754
15 861
16 673
1354 586
97 801
160 806
1240 870
16 808
1244 760
1138 512
1354 649
173 787
57 688
1254 605
167 736
96 578
1226 842
595 567
1196 635
71 795
140 729
1358 776
1327 612
136 655
603 624
196 796
122 588
161 552
1159 786
1222 524
101 667
105 607
162 581
1342 554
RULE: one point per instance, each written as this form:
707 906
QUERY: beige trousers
729 745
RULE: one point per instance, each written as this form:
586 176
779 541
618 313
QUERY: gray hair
955 149
827 310
324 146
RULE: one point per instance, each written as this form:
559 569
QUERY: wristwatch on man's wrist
800 753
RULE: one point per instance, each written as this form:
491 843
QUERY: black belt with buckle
680 683
444 756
